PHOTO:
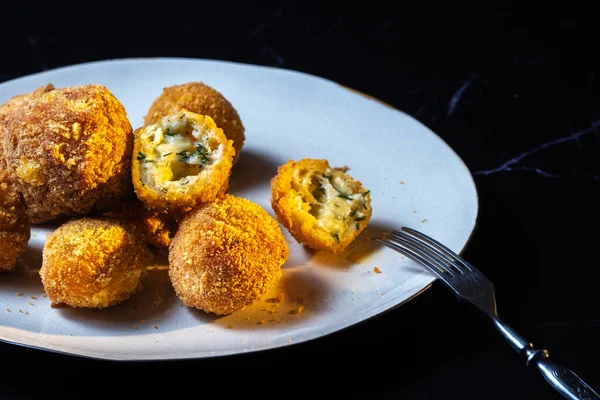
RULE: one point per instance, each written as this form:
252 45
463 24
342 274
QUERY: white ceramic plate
415 180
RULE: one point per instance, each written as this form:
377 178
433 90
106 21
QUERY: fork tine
441 249
440 258
417 255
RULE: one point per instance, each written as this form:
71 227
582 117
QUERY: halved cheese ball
181 161
323 207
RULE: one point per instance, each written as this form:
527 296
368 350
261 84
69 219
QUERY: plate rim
282 345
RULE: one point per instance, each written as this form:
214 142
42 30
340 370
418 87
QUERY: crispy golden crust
14 224
226 255
156 185
93 263
297 197
14 104
70 149
201 99
156 227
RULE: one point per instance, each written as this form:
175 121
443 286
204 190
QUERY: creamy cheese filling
336 208
177 152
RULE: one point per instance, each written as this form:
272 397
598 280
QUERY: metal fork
472 286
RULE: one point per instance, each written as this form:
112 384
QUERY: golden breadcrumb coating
70 149
14 104
14 224
180 162
226 255
156 227
201 99
323 207
93 263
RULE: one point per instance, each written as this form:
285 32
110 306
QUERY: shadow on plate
252 169
359 252
297 297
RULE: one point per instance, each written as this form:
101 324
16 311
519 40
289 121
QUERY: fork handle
562 379
565 381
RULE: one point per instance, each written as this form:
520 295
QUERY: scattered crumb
402 182
243 340
19 294
298 310
21 311
290 340
44 295
8 310
26 312
277 299
376 270
423 221
31 303
34 297
134 326
345 168
155 327
414 211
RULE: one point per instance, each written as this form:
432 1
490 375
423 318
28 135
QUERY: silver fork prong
440 257
434 244
419 256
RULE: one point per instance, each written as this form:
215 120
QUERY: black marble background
514 90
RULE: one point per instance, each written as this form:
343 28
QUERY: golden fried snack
226 255
14 224
323 207
70 150
180 161
156 227
93 263
14 104
201 99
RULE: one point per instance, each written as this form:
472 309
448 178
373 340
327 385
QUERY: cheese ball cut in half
70 150
14 225
201 99
180 162
93 263
226 255
322 207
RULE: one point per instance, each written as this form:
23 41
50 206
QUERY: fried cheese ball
93 263
13 105
323 207
201 99
156 227
226 255
14 225
180 162
70 150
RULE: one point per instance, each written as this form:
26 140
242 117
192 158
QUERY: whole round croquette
70 149
15 230
93 263
226 255
202 99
